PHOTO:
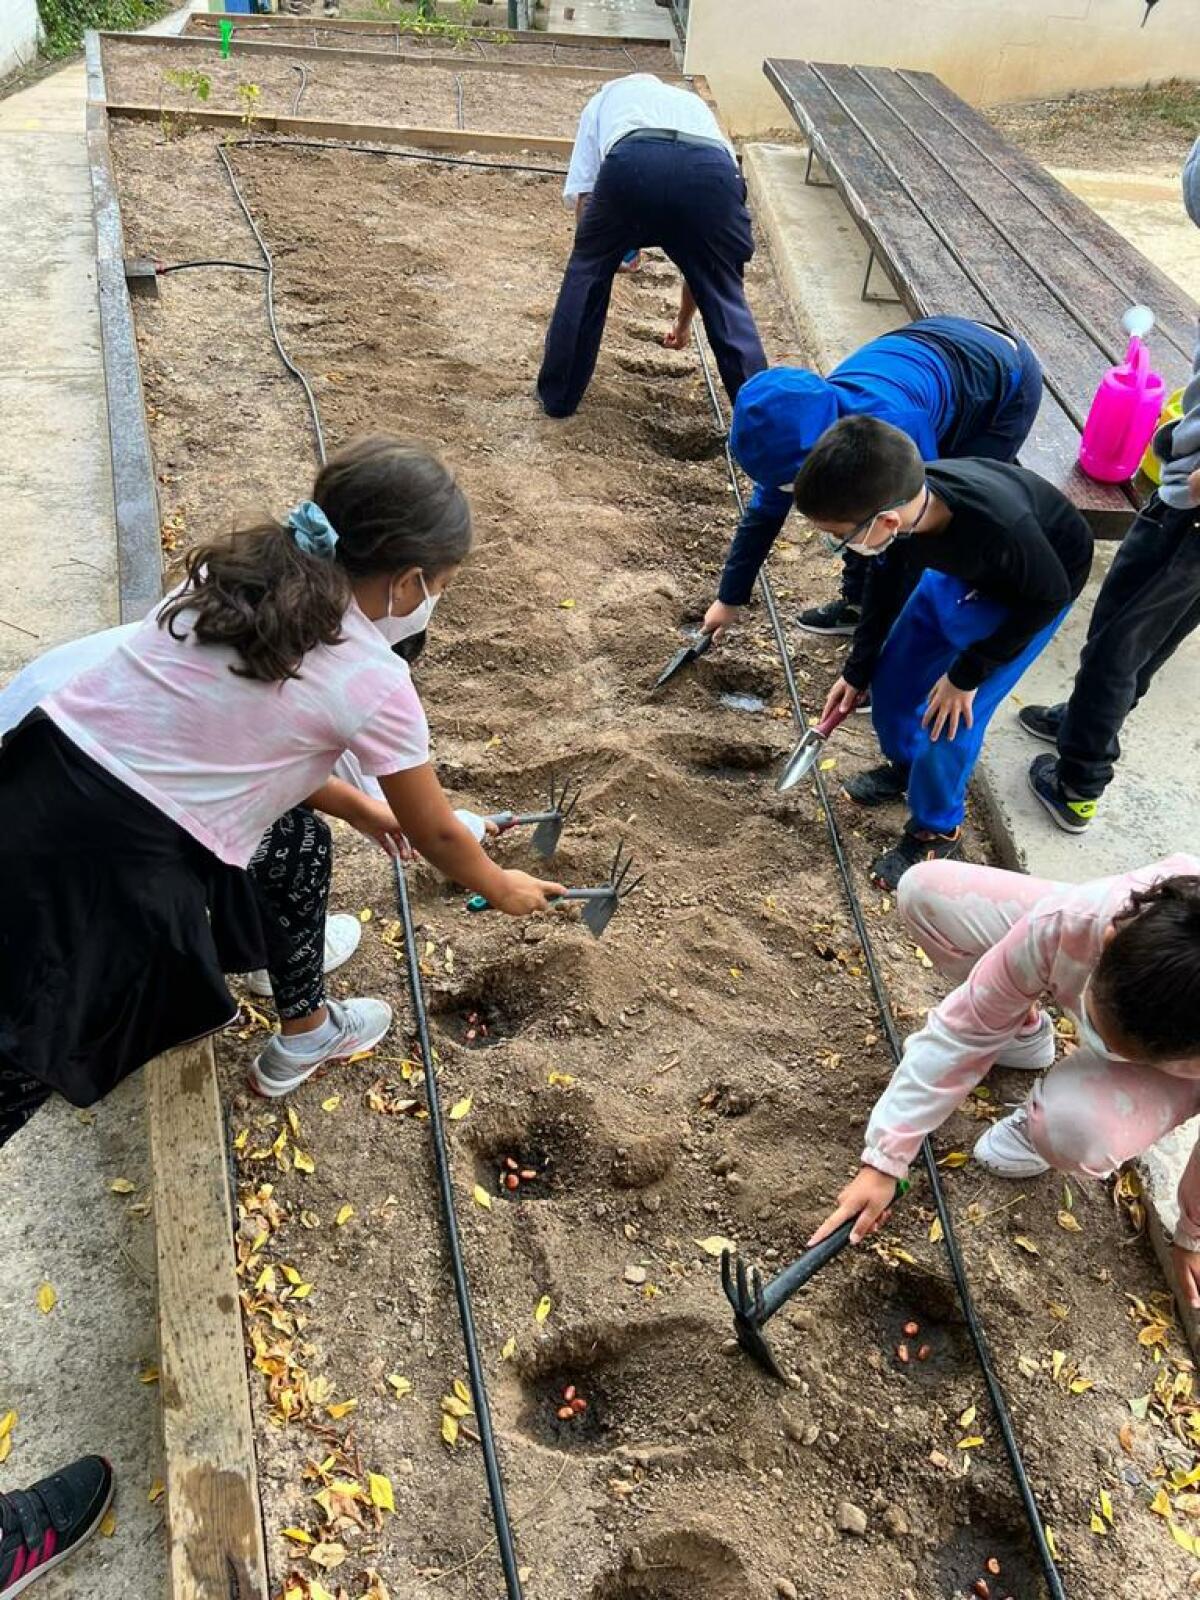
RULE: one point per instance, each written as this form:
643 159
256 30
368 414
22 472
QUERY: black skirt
116 926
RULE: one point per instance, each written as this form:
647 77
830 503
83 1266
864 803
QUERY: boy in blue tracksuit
955 387
1001 556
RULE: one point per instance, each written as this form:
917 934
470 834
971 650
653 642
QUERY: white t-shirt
624 105
224 755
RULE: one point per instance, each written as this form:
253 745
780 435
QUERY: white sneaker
342 936
286 1063
1005 1148
1031 1052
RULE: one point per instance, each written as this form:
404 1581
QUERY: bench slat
929 277
1125 268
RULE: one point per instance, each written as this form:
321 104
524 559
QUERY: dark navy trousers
689 201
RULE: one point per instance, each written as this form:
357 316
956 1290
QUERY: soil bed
636 56
704 1071
346 91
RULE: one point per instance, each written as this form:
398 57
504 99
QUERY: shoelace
24 1513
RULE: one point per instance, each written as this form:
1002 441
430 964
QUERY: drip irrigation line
270 294
299 66
397 155
462 1289
991 1380
458 100
183 266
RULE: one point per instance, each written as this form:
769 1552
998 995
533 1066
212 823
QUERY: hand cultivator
701 643
547 825
600 903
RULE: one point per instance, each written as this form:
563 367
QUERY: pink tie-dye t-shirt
224 756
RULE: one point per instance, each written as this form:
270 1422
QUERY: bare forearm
687 306
422 810
337 799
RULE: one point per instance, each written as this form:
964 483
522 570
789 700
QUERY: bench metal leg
868 296
812 182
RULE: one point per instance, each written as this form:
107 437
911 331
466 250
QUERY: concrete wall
19 32
986 50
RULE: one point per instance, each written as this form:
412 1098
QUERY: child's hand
718 617
1187 1272
842 697
520 894
948 707
374 820
866 1197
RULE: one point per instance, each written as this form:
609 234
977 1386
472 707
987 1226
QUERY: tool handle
834 720
785 1284
503 820
703 644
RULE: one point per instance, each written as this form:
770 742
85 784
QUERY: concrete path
637 19
1153 809
75 1375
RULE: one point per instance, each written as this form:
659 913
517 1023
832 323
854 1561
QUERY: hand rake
547 825
600 903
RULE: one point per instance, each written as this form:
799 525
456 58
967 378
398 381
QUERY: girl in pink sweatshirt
1121 956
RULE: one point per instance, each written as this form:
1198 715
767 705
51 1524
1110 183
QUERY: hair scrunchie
312 530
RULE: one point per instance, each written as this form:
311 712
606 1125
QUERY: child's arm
1035 588
424 816
883 601
337 798
944 1062
758 529
1187 1230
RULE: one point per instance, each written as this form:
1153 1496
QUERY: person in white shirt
650 167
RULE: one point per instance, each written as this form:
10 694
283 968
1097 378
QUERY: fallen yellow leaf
1069 1221
342 1409
1096 1524
7 1423
148 1374
449 1428
509 1350
560 1080
293 1122
967 1418
716 1244
955 1158
1106 1506
542 1309
936 1232
47 1299
460 1108
1051 1541
735 972
157 1489
303 1163
297 1535
1161 1505
332 1103
1081 1385
828 764
1057 1357
481 1197
1188 1541
381 1491
566 605
400 1384
344 1214
329 1555
454 1407
461 1390
239 1139
122 1186
1026 1244
109 1525
365 914
971 1442
5 1448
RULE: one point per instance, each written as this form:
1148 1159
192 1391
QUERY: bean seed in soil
912 1329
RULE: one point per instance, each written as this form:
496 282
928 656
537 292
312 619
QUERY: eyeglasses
862 530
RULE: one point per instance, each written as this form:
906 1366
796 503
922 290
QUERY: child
1122 956
1147 606
133 802
1004 557
955 387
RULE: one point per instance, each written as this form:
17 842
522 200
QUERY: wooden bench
964 223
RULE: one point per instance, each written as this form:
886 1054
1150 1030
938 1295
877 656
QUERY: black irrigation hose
298 66
462 1289
182 266
270 293
974 1326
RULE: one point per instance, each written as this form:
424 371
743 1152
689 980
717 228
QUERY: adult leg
20 1097
1147 605
707 234
956 910
606 231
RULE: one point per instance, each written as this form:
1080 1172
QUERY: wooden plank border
216 1549
461 139
196 23
383 58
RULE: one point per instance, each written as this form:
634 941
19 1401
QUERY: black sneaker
45 1524
1043 722
878 786
913 848
1068 812
836 616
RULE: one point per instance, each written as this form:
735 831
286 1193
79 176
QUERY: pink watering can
1126 409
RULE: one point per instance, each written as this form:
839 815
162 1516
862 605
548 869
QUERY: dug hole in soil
704 1072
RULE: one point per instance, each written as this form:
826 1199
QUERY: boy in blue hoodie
1147 606
955 387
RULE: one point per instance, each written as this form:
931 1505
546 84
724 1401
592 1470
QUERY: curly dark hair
1148 978
394 506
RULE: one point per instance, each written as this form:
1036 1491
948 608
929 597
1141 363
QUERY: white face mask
1089 1039
396 629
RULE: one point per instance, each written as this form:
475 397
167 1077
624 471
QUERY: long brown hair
393 505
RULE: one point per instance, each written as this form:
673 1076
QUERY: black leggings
291 872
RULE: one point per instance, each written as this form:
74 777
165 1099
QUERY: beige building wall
986 50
